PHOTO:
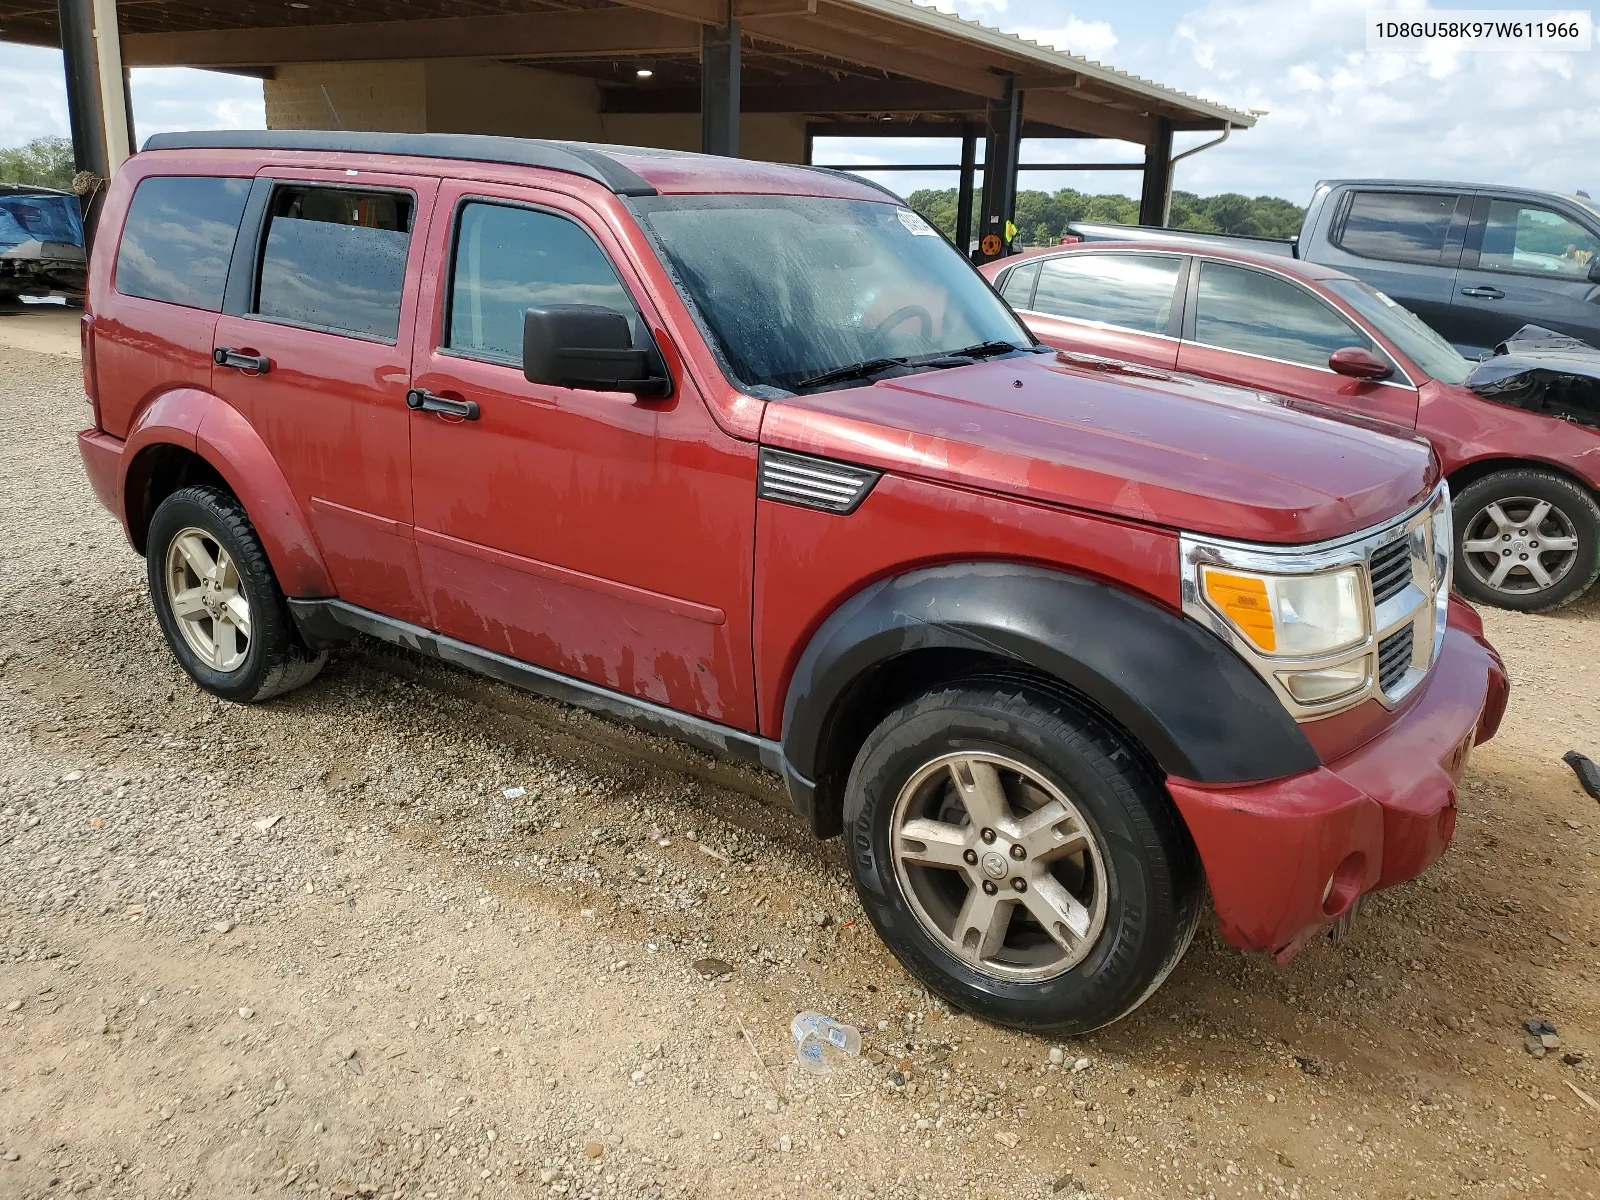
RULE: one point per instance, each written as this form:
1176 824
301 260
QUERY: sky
1333 108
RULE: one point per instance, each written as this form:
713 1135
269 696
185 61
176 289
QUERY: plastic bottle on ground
819 1040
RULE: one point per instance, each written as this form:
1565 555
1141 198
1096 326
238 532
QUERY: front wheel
1526 539
1020 858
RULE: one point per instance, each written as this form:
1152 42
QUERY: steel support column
969 171
81 60
719 89
1157 176
1002 149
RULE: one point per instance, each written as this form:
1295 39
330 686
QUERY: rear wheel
218 601
1020 858
1526 539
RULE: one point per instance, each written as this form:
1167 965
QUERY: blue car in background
41 242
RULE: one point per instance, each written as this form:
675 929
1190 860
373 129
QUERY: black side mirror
591 348
1594 267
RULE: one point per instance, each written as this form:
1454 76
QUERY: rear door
1527 263
1116 304
329 305
596 534
1254 327
1407 244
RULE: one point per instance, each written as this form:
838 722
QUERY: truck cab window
1409 227
508 260
1532 240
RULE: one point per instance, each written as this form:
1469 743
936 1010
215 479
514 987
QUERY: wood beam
1101 120
774 8
601 33
848 45
854 95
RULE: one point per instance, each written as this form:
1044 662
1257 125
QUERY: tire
262 658
1572 519
1135 874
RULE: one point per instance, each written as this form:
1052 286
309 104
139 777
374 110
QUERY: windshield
794 289
1405 329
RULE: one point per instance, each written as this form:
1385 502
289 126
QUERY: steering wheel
903 314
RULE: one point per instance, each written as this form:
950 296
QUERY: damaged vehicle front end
41 242
1543 372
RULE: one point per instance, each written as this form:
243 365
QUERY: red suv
749 455
1526 477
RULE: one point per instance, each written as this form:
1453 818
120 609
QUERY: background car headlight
1291 616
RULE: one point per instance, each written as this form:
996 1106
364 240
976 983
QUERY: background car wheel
1526 539
1019 858
218 601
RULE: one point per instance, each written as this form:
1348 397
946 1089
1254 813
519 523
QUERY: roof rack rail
569 157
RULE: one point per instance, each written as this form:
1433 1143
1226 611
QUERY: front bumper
1286 858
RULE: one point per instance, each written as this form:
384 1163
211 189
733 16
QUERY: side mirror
1594 267
588 347
1359 363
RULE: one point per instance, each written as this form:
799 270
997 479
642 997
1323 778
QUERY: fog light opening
1344 885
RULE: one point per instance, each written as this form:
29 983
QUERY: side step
328 622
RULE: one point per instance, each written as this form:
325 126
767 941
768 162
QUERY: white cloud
33 98
1089 39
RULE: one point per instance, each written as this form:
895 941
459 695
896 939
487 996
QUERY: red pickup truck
749 455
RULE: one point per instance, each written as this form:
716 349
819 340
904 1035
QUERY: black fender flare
1197 708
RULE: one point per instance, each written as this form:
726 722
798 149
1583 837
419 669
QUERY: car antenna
337 123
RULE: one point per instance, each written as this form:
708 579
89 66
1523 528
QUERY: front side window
508 260
178 238
793 290
1408 227
335 258
1133 291
1531 240
1237 308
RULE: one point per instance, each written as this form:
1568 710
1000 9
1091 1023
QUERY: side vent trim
810 482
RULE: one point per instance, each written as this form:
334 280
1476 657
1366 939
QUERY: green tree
43 162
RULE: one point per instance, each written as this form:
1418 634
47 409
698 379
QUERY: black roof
573 158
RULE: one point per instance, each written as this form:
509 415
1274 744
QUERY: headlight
1291 616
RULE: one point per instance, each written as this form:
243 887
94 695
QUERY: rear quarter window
178 238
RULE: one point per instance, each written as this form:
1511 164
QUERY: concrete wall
469 96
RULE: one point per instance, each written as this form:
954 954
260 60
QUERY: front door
1263 330
1529 266
595 534
329 312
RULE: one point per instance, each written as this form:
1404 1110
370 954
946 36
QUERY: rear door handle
1483 293
425 401
223 356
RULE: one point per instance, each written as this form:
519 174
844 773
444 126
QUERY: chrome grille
1394 657
819 483
1391 570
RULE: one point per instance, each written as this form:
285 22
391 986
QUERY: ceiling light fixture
644 73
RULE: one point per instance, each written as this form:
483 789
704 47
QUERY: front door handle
241 360
1483 292
425 401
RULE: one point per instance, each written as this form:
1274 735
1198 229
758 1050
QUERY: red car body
1473 437
617 544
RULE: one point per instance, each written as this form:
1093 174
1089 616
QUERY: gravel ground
324 947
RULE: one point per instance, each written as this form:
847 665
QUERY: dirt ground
324 947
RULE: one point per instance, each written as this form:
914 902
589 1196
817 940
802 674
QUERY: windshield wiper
984 350
860 370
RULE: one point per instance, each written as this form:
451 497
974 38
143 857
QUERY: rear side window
335 258
508 260
1409 227
1018 285
1256 313
178 238
1131 290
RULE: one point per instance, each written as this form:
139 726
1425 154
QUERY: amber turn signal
1243 600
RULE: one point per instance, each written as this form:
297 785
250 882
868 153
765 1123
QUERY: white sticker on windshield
917 226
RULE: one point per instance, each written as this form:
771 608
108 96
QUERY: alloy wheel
999 866
208 600
1519 546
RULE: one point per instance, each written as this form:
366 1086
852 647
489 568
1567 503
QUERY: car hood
1122 440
